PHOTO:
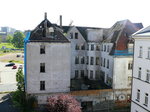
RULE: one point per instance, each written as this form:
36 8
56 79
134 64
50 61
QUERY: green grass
7 45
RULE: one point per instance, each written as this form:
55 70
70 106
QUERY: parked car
10 64
20 67
14 67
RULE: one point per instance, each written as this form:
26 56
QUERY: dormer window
51 31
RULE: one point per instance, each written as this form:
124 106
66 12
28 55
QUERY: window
87 61
104 62
92 61
76 35
140 52
42 67
82 47
148 53
139 72
92 47
87 72
101 47
97 48
130 65
101 61
138 95
97 60
77 47
104 48
76 60
108 48
42 49
71 35
88 47
91 74
42 85
82 73
146 99
82 60
76 73
148 75
107 63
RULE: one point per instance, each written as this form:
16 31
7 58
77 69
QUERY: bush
63 103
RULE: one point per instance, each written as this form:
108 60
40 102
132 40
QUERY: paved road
6 104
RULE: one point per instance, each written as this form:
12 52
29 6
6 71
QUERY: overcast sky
27 14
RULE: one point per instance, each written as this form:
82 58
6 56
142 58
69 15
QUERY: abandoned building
47 61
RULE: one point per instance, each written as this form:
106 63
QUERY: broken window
91 74
76 35
139 72
82 60
148 53
77 47
97 60
87 61
92 61
146 99
76 60
107 63
42 67
138 95
83 47
104 62
92 47
42 49
42 85
76 73
147 75
97 48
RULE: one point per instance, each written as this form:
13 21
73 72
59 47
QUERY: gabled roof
120 35
42 33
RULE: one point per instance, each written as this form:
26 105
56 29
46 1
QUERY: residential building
47 61
141 71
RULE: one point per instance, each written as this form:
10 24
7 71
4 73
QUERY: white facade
78 68
57 68
141 72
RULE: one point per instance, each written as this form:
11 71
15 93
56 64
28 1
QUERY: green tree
18 39
20 80
9 38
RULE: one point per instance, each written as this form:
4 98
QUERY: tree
63 103
20 80
18 39
9 38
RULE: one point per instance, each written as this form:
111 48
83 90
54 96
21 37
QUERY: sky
27 14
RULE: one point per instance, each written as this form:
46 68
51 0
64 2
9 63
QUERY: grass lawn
7 45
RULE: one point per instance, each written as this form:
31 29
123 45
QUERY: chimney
45 15
61 21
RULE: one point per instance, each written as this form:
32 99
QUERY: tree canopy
9 38
18 39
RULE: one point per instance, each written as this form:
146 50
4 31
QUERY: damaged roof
47 32
120 35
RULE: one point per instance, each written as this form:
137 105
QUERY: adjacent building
141 72
103 53
47 61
